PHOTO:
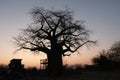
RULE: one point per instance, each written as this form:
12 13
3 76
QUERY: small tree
110 58
102 59
54 33
114 52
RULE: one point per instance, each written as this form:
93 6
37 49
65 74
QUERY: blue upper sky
102 17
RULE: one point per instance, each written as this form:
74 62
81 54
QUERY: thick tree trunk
55 64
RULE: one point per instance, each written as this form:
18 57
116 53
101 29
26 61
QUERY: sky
102 18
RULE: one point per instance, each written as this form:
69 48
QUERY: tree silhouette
109 59
114 52
102 60
55 33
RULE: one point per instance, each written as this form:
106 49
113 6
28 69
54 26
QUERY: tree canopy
53 29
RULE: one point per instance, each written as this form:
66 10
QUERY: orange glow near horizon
33 60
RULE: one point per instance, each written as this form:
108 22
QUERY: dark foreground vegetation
88 72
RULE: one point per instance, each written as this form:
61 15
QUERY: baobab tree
55 33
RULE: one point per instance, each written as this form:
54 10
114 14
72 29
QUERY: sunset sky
102 18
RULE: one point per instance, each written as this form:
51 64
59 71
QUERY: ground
83 76
89 75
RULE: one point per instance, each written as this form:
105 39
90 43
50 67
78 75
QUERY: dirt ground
83 76
89 75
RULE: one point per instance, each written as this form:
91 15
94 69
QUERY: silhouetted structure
15 69
15 64
43 63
